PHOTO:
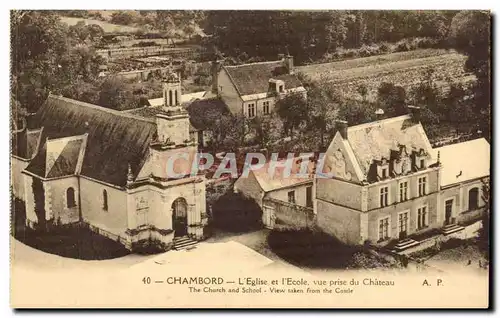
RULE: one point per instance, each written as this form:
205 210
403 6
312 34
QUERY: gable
341 162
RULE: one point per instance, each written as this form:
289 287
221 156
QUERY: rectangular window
403 191
251 110
422 217
384 173
383 229
291 196
422 163
384 196
422 186
403 224
309 202
265 107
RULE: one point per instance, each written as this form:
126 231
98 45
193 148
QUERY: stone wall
17 178
228 93
339 221
114 219
290 216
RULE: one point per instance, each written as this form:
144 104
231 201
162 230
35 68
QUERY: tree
114 94
322 108
293 111
470 35
123 17
46 56
234 212
392 99
484 232
363 91
357 112
268 129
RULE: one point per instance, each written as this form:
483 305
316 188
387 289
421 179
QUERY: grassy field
106 26
404 68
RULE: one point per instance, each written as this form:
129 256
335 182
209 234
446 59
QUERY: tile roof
375 140
278 181
464 161
114 140
254 78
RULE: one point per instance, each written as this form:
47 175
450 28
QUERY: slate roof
464 161
24 143
60 160
254 78
375 140
114 140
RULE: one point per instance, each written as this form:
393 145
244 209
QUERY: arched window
176 99
70 198
170 98
473 198
104 200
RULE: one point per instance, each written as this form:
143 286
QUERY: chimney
216 65
341 126
415 113
288 63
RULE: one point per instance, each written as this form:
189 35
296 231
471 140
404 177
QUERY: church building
80 163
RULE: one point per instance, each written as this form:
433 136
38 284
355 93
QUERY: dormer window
420 159
276 86
383 169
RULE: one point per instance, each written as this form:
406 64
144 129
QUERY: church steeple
172 90
173 122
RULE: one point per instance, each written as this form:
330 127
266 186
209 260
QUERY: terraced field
406 69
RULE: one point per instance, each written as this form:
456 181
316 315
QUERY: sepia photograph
250 158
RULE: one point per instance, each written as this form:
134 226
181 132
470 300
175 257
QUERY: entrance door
448 209
179 217
268 217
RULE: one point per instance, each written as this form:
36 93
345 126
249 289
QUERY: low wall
290 216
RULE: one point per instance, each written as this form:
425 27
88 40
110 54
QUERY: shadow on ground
315 249
73 242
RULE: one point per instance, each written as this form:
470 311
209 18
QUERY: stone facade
253 89
146 203
379 206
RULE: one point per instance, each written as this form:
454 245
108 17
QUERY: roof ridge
378 122
97 107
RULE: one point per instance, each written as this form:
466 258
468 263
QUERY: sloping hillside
405 69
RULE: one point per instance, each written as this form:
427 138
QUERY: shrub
236 213
150 246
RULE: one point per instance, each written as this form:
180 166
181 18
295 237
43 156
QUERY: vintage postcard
250 159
